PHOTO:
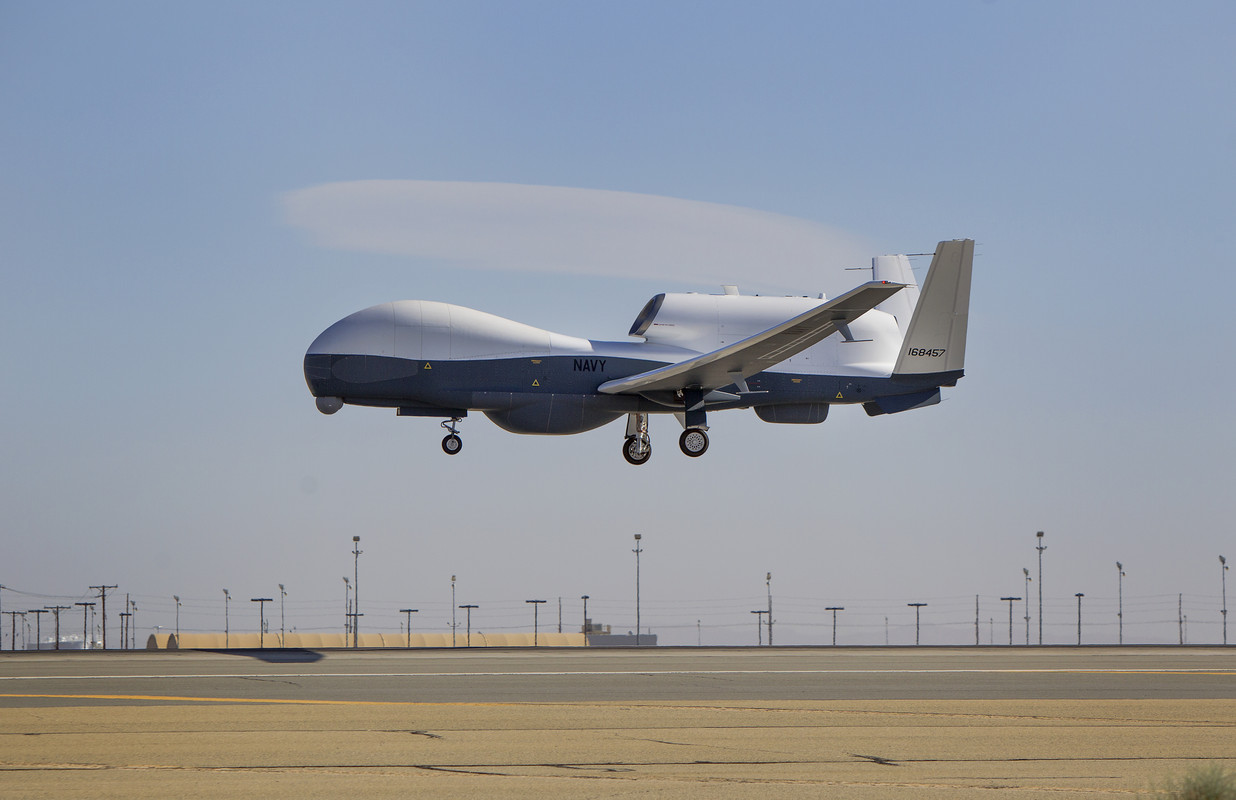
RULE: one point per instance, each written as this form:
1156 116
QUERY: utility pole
559 613
261 601
132 619
1180 616
835 609
87 644
1120 595
12 629
1040 547
584 597
409 612
759 626
536 604
453 624
38 631
282 630
356 554
103 600
1026 572
124 629
176 597
1010 601
56 613
1079 596
976 620
916 607
637 551
227 601
469 608
768 583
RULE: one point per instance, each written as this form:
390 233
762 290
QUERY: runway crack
877 760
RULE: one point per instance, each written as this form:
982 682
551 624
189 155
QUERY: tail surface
935 341
896 269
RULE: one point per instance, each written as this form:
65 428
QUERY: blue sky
158 302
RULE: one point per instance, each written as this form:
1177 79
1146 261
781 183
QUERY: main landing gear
451 443
637 447
693 442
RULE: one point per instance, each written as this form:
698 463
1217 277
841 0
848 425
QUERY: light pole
1040 547
1223 577
356 554
759 626
1010 601
469 611
347 609
176 597
768 584
1120 601
916 607
86 644
282 632
1026 572
637 551
409 612
536 605
1079 596
261 601
835 609
227 600
584 629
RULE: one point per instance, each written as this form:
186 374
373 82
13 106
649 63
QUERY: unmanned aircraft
885 344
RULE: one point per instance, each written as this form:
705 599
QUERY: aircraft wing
757 353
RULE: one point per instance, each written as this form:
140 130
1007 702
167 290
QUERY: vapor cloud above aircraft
570 230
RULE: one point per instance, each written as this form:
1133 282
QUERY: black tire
630 454
452 444
693 442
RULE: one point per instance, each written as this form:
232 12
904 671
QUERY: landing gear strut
637 447
451 443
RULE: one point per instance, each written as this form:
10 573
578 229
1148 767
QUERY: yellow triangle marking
427 365
535 382
838 397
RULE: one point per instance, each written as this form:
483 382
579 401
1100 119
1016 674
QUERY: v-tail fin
936 339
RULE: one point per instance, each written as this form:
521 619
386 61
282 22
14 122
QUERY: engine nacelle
705 322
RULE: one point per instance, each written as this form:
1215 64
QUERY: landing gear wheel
693 442
452 444
637 450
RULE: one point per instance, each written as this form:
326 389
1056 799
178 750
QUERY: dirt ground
844 749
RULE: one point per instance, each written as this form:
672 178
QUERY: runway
673 722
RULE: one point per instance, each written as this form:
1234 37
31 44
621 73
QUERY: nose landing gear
637 447
451 443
